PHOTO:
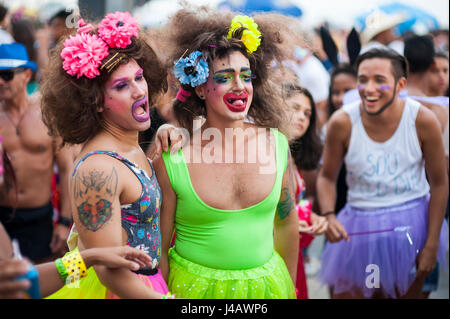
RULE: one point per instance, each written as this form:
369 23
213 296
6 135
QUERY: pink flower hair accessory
83 54
117 29
182 95
83 27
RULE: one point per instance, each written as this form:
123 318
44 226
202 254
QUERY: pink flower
83 54
116 29
81 22
83 27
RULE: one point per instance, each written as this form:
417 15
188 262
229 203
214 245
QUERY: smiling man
394 154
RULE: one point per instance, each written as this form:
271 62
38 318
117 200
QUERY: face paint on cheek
360 87
385 87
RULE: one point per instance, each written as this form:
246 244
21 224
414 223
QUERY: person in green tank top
228 194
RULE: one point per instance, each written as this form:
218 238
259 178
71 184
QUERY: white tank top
388 173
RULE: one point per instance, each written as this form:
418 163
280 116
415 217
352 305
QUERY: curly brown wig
202 29
70 105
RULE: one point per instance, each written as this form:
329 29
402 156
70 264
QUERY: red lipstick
236 103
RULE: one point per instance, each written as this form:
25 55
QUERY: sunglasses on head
8 75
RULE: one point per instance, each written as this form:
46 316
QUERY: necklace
16 126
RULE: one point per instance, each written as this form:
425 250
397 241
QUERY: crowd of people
200 159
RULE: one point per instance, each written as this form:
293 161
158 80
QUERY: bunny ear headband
330 48
84 52
353 46
193 70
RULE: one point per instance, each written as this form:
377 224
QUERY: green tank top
224 239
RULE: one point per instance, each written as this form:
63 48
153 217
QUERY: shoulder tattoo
94 193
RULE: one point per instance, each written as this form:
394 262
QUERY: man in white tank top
390 146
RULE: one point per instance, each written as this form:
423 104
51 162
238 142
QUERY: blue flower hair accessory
192 70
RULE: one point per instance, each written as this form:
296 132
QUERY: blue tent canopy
249 6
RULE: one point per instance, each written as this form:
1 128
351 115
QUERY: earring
202 97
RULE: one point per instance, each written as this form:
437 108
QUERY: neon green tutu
193 281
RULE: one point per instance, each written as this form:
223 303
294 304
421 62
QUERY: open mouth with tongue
140 110
236 103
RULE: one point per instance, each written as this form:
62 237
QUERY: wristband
61 269
328 213
75 267
167 296
65 221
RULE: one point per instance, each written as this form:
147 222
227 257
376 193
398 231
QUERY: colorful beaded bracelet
168 296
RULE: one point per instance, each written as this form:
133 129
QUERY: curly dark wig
206 31
70 105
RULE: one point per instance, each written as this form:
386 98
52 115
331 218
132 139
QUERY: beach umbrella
415 19
285 7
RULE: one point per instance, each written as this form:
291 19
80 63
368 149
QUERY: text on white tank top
388 173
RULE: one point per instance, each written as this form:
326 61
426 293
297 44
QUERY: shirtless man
25 208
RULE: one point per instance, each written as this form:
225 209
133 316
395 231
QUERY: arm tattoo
286 203
93 210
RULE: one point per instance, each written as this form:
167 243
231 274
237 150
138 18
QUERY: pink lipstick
140 110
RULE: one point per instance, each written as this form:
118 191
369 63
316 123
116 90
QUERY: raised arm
167 136
338 132
286 223
95 190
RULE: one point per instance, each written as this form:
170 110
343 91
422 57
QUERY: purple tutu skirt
382 251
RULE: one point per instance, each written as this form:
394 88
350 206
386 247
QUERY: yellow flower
251 37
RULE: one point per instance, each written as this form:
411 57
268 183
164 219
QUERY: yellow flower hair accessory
250 37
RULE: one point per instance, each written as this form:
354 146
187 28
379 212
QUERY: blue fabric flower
192 70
